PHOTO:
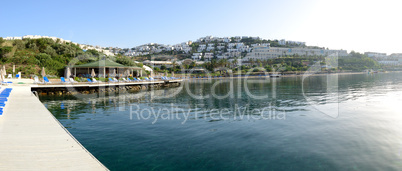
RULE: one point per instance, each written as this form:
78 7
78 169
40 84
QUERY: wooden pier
31 138
89 88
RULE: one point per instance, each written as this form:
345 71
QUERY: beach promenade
32 139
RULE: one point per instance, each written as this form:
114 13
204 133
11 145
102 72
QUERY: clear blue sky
358 25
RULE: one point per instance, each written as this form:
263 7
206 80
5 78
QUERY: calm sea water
349 123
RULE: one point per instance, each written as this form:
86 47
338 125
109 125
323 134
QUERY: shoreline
288 75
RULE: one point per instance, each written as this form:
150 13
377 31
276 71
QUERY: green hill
30 55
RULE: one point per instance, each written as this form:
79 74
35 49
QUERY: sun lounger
6 82
4 94
95 81
63 80
112 80
89 80
46 80
72 80
36 80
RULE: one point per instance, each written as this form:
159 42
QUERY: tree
93 52
1 41
140 65
50 51
5 50
192 65
234 62
44 59
268 68
174 64
125 61
19 44
251 60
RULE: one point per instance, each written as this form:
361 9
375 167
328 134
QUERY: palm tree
193 64
259 62
223 62
234 62
251 61
173 65
219 63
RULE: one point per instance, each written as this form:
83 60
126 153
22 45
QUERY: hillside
30 55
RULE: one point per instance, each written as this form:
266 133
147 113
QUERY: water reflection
366 136
284 94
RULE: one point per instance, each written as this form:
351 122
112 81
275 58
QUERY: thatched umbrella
128 73
1 75
43 73
93 73
68 74
4 70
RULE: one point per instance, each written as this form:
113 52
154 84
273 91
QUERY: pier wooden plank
32 139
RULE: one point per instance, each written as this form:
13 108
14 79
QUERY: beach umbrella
13 69
93 73
1 75
4 70
127 73
68 74
114 72
43 73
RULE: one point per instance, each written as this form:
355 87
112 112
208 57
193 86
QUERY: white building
13 38
284 42
211 46
396 56
375 54
208 56
388 62
187 49
233 50
158 64
202 47
196 56
267 52
220 47
231 45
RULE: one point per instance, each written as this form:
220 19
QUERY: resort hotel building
265 51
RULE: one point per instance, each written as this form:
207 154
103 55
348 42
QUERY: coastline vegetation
30 55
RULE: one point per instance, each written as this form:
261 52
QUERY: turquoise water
296 130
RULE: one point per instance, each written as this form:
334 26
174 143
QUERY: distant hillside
30 55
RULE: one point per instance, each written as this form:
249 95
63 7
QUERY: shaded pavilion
104 68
